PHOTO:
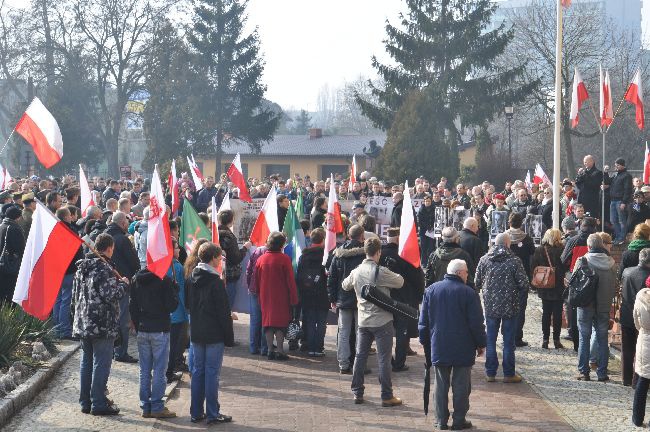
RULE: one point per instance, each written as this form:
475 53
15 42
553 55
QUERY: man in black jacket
12 241
398 204
620 193
127 264
588 181
152 300
471 243
345 259
234 254
411 294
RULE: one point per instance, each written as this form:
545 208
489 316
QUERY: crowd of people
471 285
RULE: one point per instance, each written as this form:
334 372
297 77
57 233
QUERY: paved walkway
307 394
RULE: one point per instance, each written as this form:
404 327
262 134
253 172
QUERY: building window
326 170
283 170
244 168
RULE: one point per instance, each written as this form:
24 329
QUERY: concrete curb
27 391
169 390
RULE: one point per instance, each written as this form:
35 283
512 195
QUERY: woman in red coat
276 286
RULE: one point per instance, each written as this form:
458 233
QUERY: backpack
311 275
582 285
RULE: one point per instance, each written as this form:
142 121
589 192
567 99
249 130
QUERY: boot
558 344
545 344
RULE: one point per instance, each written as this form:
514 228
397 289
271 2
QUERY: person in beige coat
642 359
375 323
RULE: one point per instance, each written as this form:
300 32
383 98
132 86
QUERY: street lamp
510 112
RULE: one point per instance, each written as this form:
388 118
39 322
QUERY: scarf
639 244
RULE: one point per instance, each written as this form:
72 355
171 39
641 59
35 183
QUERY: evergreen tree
443 49
302 123
233 67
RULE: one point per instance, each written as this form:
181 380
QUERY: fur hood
351 248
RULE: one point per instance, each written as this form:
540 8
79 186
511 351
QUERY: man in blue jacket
451 327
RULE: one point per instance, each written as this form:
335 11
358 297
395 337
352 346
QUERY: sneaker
593 366
108 411
394 401
401 369
164 413
221 418
345 371
521 344
489 378
603 379
567 337
85 410
545 344
197 419
464 425
126 359
174 377
358 400
516 378
319 354
583 377
442 427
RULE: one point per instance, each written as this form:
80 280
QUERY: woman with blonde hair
548 255
640 241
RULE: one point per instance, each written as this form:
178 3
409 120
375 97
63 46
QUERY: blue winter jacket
451 322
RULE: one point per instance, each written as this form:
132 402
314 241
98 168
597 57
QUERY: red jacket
276 285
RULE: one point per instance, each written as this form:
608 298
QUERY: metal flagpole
558 119
602 214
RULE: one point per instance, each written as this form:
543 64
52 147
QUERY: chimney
315 133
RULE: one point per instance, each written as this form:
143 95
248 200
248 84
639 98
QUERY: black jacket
151 302
632 282
318 218
124 255
207 302
315 296
72 268
473 245
540 259
13 233
588 184
524 248
282 214
396 215
621 187
638 213
234 254
413 289
345 259
426 218
546 212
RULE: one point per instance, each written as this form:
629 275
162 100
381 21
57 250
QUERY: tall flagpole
558 119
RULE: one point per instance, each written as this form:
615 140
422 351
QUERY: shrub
13 332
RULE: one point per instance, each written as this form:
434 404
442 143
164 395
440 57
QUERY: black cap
620 161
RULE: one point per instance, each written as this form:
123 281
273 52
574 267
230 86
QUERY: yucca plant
37 330
13 332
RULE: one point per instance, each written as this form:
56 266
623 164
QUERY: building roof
302 145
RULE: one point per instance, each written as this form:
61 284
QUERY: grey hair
145 213
118 217
469 222
595 241
450 234
502 239
94 212
644 257
455 266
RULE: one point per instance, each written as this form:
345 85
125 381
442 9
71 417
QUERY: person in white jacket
642 358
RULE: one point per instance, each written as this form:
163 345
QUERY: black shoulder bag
372 294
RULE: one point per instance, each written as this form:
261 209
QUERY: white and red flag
49 249
86 195
541 177
159 240
236 175
197 176
172 184
578 97
5 178
40 129
353 172
634 95
333 222
606 104
409 248
214 229
646 165
225 204
267 220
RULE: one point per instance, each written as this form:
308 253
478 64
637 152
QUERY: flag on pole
300 208
172 181
578 97
86 195
214 228
41 131
606 107
634 95
49 249
236 174
646 165
5 178
409 248
295 237
225 204
541 177
197 177
267 220
159 241
192 227
353 172
333 222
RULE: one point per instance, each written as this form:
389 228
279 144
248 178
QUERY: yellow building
467 154
316 155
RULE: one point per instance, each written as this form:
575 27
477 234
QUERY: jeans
618 218
551 308
346 318
208 359
402 340
588 317
256 339
231 290
315 325
153 350
461 386
521 316
61 311
640 397
96 359
384 338
508 329
125 317
177 341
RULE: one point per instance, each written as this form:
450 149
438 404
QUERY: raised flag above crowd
236 174
41 131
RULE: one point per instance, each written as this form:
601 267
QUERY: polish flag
578 97
5 178
197 177
40 129
225 204
541 177
172 181
267 220
409 248
634 95
646 165
86 195
159 240
333 221
49 249
353 171
214 229
606 108
236 175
